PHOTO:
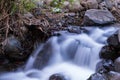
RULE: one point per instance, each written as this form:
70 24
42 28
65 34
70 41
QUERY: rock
97 76
102 5
58 76
118 4
109 4
43 55
117 65
74 29
13 49
89 4
114 40
108 52
105 66
113 75
2 59
92 4
98 17
76 6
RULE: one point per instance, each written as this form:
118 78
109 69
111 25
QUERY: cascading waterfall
73 55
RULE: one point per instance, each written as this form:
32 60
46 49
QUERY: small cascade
73 55
31 60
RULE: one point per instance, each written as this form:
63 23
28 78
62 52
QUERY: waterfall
73 55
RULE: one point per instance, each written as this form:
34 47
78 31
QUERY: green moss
27 4
13 6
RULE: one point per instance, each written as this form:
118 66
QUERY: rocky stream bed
39 25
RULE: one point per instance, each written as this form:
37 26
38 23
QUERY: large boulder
98 17
108 52
117 65
13 49
114 40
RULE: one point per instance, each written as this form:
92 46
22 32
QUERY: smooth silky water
73 55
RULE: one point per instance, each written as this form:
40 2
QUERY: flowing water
72 55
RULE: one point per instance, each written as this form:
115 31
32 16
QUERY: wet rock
108 52
98 17
74 29
113 75
13 49
104 66
97 76
117 65
114 40
89 4
43 56
58 76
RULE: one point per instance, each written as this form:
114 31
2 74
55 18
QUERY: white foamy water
73 55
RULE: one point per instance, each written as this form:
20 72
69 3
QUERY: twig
4 17
7 27
2 28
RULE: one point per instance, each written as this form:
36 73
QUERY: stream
73 55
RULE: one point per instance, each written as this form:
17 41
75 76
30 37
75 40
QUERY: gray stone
43 55
109 4
98 17
13 49
102 6
114 40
